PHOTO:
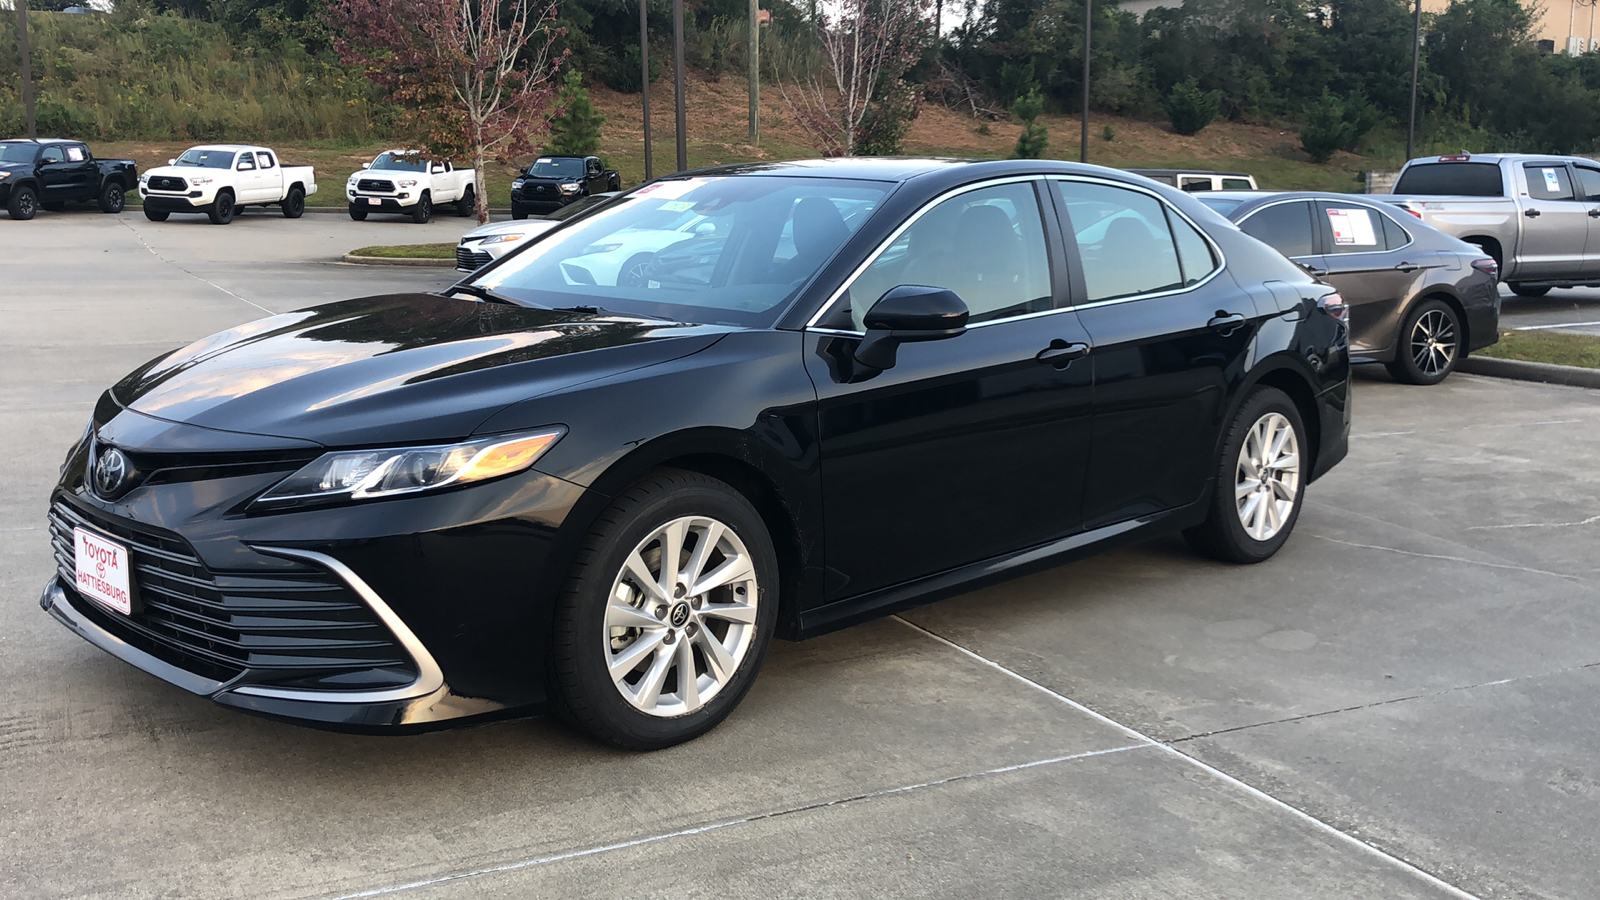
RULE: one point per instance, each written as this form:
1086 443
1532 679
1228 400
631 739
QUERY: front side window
703 250
986 245
1123 239
1285 227
207 159
1589 183
1548 182
246 162
50 155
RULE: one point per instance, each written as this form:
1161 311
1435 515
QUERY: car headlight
519 182
143 179
196 182
409 183
600 248
371 474
502 238
4 175
569 189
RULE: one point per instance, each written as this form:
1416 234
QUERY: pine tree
1035 137
576 131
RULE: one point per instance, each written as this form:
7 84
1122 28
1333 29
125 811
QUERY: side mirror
909 313
172 162
366 165
705 228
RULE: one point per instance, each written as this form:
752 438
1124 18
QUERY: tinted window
1351 229
985 245
1237 184
1193 185
1467 179
690 249
1394 235
1548 182
1588 182
1194 253
1123 240
50 155
1285 227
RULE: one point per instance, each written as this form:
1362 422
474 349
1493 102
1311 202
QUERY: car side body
53 172
221 179
890 467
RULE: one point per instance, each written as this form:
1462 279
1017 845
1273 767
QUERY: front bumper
542 203
470 257
384 204
194 201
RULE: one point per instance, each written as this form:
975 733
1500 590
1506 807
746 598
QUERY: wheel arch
1493 247
295 184
1283 374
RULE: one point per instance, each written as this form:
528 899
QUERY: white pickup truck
221 179
409 183
1537 215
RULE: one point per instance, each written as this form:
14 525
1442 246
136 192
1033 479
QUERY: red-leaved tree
864 47
471 77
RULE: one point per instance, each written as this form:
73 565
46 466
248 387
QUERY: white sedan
487 243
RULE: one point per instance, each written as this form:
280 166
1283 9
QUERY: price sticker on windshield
672 190
1353 227
678 205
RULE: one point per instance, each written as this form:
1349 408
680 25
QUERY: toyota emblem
110 471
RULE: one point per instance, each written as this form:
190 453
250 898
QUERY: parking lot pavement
1404 694
1575 310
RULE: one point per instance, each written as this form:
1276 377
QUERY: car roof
1252 199
899 169
40 141
231 148
1141 171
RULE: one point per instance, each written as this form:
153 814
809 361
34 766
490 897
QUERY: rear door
82 172
1289 228
1374 264
269 176
1555 224
1589 190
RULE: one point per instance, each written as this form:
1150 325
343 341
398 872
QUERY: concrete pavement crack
1439 556
199 278
1589 521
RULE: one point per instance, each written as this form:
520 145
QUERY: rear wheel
1524 290
1429 346
423 211
156 215
222 209
636 270
112 198
465 205
358 213
294 205
24 203
667 614
1260 487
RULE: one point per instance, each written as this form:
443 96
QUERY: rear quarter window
1465 179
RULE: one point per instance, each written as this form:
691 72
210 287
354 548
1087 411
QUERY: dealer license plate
102 570
374 201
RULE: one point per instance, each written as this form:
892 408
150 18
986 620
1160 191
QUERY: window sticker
671 190
678 205
1352 227
75 154
1551 182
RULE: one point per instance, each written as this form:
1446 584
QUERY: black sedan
851 387
1419 299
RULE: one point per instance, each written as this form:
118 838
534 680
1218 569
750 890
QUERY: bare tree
473 77
864 47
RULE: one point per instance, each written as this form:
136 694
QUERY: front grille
167 183
375 186
294 628
467 259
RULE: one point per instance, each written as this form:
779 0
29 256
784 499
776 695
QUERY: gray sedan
1419 299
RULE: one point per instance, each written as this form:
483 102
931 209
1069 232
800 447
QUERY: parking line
1248 788
1557 325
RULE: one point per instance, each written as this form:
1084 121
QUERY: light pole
644 79
677 81
755 72
25 67
1416 58
1083 139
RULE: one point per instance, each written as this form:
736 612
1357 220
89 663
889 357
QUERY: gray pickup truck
1538 216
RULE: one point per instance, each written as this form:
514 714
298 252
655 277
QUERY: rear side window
1351 229
1237 184
265 159
1588 183
1194 253
1124 242
1195 184
1286 227
1547 182
1394 236
1468 179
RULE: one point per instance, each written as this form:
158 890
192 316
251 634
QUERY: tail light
1333 305
1488 267
1414 212
1456 157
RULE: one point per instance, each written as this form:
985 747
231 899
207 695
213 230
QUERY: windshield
400 162
724 251
556 167
207 159
17 152
1224 205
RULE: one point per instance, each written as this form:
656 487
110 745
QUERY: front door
1589 191
59 177
967 448
1555 225
1171 337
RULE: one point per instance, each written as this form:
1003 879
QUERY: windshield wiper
602 311
483 293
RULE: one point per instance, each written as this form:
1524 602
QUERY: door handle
1532 214
1594 213
1406 267
1224 323
1060 353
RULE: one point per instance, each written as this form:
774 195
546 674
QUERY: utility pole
25 66
644 79
755 73
1083 139
677 81
1416 58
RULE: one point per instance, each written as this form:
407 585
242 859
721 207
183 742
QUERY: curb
387 261
1518 370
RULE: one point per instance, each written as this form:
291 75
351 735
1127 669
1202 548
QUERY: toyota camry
855 386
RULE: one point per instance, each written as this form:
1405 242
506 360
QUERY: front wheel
24 203
667 614
294 205
1523 290
1430 344
423 211
1259 479
155 215
518 212
112 198
222 209
358 213
468 200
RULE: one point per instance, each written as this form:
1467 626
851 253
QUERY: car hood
183 171
395 369
14 167
525 227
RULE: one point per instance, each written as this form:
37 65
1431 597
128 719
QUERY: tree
1190 109
471 76
1035 138
865 48
1326 130
575 131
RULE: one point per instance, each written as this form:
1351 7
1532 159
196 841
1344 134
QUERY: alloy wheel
1267 480
27 206
1433 342
681 616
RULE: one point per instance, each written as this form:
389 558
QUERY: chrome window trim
429 677
872 257
1370 207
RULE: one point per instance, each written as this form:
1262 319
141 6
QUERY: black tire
465 205
56 206
1223 536
358 213
615 184
294 205
585 692
112 198
518 212
1415 360
633 272
1523 290
222 208
24 203
423 211
156 215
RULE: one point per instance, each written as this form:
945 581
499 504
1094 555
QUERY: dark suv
52 173
554 181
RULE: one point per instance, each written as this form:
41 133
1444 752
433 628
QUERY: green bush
1326 130
622 75
1035 138
1190 109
